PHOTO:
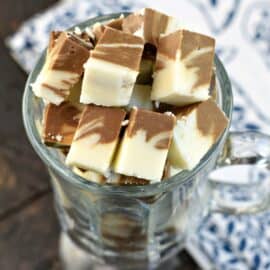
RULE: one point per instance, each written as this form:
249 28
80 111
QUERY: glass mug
140 227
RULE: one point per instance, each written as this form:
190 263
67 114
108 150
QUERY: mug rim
139 190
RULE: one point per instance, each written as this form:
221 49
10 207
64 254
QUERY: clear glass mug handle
241 182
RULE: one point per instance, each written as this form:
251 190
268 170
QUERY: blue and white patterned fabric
242 29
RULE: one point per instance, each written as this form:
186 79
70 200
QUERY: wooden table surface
29 230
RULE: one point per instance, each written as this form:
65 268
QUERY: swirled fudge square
112 69
133 24
60 123
96 138
197 128
145 145
183 68
62 69
157 23
98 28
149 24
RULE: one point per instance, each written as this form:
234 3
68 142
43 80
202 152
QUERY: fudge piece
60 123
98 28
62 69
133 24
112 69
149 24
183 68
96 138
54 35
145 145
90 175
82 38
170 171
157 23
77 35
116 23
141 97
197 128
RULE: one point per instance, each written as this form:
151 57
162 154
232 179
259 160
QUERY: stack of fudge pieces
129 99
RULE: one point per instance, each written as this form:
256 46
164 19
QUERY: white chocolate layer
174 84
188 145
88 154
107 84
90 175
62 81
139 32
139 158
173 171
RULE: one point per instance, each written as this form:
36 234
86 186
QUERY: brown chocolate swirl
169 45
104 121
68 55
59 92
119 48
54 35
98 29
113 36
196 51
156 125
211 121
116 24
203 62
155 23
60 123
132 23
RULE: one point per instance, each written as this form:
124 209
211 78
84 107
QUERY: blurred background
28 226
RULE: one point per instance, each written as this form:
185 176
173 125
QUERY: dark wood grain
28 226
29 239
22 174
14 12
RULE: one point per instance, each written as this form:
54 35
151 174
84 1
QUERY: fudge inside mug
139 224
